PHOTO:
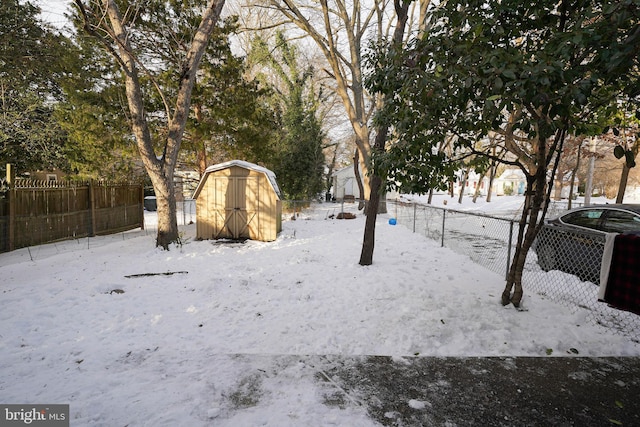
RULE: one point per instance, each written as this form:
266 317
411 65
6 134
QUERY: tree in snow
532 72
141 37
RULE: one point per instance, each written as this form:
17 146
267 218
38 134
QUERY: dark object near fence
622 287
345 215
168 273
37 212
150 203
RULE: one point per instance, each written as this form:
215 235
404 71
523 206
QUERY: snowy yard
171 349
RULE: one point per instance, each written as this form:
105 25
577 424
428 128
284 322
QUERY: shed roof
240 163
347 170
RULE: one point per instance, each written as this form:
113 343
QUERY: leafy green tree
300 162
31 66
229 118
529 71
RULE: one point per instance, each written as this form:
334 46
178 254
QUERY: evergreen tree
300 162
31 65
93 114
232 117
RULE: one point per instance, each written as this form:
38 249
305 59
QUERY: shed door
241 205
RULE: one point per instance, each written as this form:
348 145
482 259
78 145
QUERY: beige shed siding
236 202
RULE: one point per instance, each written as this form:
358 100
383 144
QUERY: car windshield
621 222
588 218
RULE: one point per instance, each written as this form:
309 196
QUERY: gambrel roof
243 164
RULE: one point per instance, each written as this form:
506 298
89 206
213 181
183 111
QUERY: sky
53 11
230 334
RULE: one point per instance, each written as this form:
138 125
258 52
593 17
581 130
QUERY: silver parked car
574 241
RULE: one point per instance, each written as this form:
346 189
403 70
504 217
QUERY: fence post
414 216
444 214
509 249
11 180
92 209
141 206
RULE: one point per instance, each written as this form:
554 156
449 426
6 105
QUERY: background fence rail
36 212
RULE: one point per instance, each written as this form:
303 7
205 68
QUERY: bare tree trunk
557 195
492 177
463 184
368 242
382 205
476 193
526 235
202 159
160 169
200 144
430 196
356 171
424 7
166 203
331 166
622 187
535 207
574 172
629 162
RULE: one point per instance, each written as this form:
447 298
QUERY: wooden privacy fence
36 212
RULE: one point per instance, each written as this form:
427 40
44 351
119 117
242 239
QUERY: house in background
511 182
470 185
47 175
238 200
345 186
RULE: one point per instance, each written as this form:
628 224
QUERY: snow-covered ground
171 349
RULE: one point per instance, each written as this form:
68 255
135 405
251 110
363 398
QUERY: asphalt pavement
490 391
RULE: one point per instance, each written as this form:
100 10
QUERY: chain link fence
485 239
564 268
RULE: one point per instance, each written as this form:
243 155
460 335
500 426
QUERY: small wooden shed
238 200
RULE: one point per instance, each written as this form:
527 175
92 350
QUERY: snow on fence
490 241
